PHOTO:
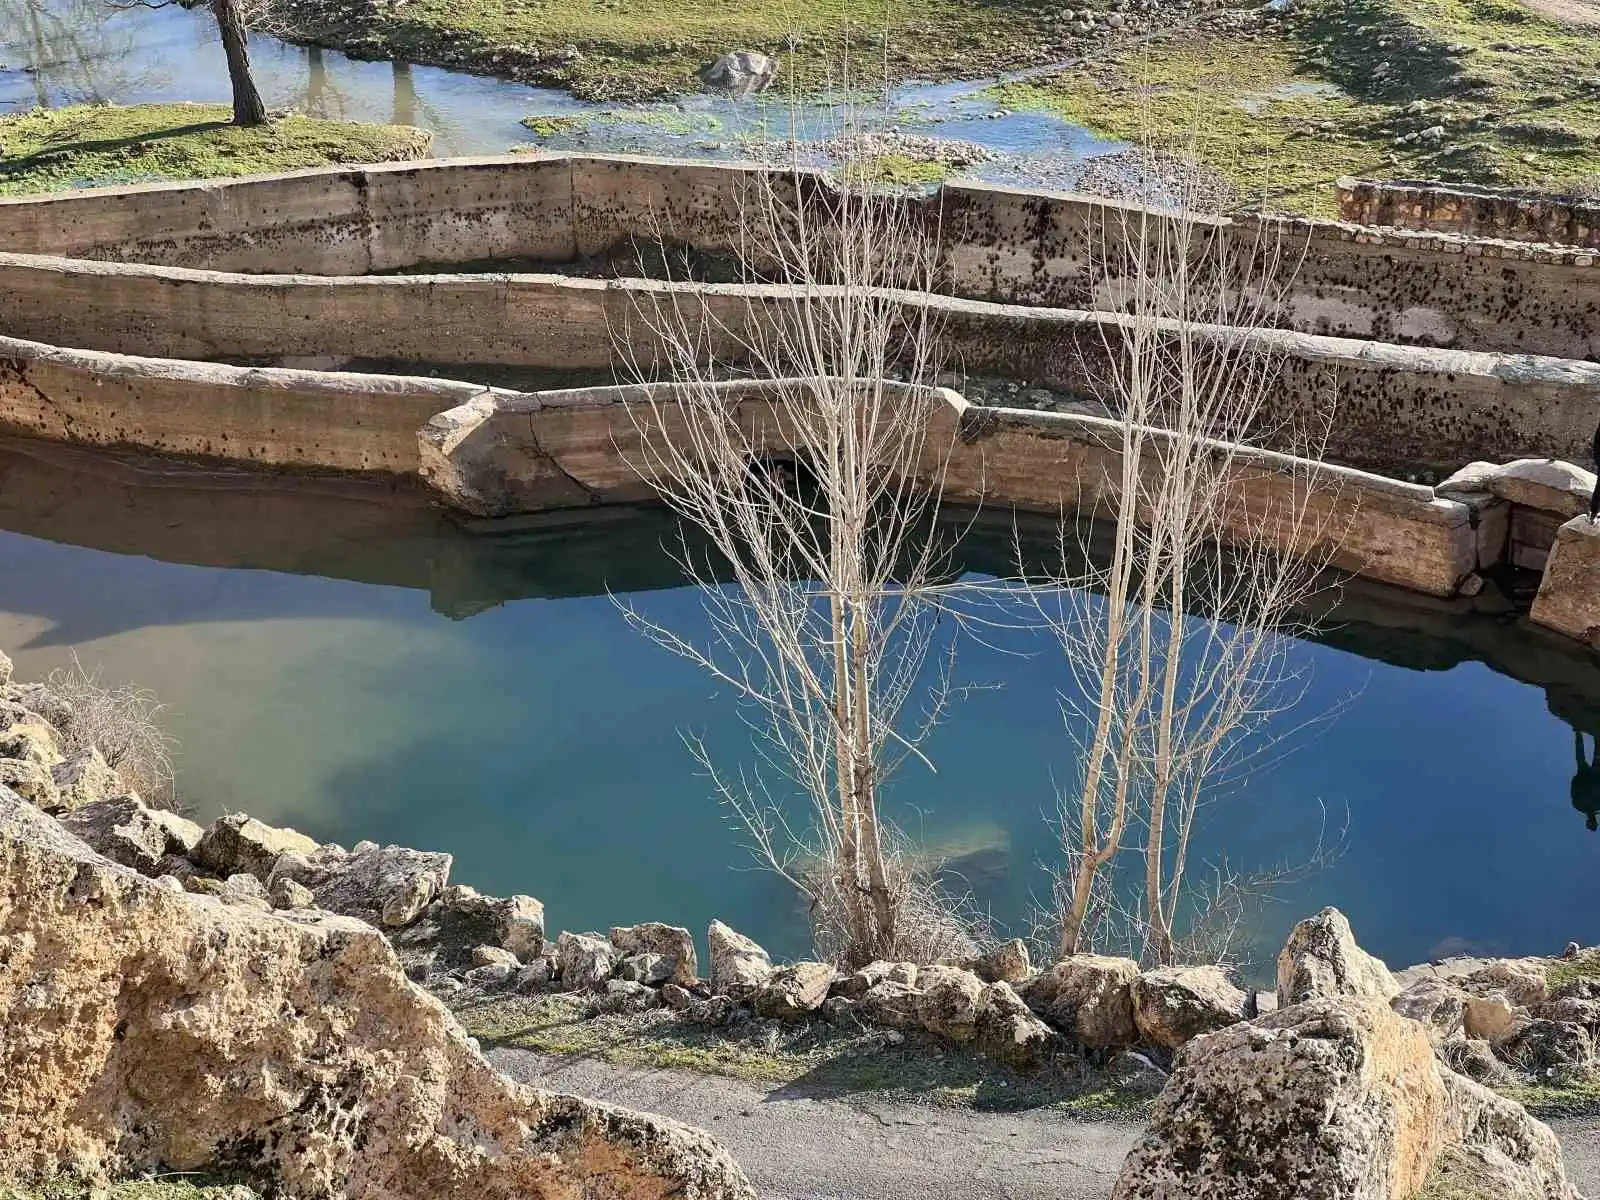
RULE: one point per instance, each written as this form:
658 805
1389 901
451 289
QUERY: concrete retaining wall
1007 245
1399 408
1473 212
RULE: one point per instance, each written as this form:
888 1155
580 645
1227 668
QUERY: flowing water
55 52
349 662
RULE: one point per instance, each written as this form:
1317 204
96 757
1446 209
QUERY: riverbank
1284 102
52 149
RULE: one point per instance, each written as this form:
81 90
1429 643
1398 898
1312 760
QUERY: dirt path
1567 12
800 1146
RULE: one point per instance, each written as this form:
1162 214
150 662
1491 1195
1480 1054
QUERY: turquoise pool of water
349 662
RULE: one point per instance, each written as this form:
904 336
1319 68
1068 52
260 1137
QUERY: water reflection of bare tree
78 51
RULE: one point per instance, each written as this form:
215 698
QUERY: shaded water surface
344 659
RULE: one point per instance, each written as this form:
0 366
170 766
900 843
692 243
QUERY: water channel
350 662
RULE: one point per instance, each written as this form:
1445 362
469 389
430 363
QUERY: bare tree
1179 638
807 448
232 19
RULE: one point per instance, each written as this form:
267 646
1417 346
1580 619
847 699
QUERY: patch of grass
98 145
555 126
1549 1100
628 49
1564 970
899 171
1469 91
821 1059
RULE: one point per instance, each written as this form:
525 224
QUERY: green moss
899 170
555 126
100 145
824 1058
1548 1100
1479 91
611 49
1564 970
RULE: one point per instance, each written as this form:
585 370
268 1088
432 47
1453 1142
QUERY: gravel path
798 1145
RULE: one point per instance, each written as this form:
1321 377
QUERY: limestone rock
485 956
31 741
1515 1156
1549 486
522 927
387 886
38 698
14 716
1321 958
794 992
1436 1003
1089 997
1488 1017
5 669
1521 981
1568 600
622 995
183 835
238 843
889 1005
672 942
738 965
286 893
1171 1005
84 778
857 984
1007 1029
1006 963
30 781
300 1055
586 960
652 970
536 976
123 830
676 998
1474 1058
741 72
493 975
948 1005
1337 1098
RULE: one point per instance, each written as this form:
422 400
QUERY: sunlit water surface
360 668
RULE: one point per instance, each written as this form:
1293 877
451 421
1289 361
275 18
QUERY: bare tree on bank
1179 637
232 18
816 488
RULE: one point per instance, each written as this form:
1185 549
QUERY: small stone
854 986
676 998
486 956
492 975
32 782
1489 1018
239 843
794 992
1572 951
1006 963
672 943
536 976
1171 1005
287 894
523 921
652 970
622 995
245 885
5 669
122 829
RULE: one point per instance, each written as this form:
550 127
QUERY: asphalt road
796 1146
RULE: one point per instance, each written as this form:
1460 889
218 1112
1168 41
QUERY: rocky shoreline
1410 1053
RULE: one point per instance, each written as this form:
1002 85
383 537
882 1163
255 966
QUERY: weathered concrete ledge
1398 407
1473 212
1006 244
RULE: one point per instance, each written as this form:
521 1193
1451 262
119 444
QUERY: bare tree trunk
248 110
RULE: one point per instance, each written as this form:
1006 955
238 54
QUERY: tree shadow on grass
64 152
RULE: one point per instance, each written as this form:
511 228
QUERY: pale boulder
84 777
1007 1029
1006 963
30 781
122 829
1089 997
859 983
238 843
183 835
1568 600
387 886
300 1055
1511 1156
1321 958
585 960
738 965
1436 1003
1337 1098
5 669
31 741
1489 1017
1172 1005
672 943
794 992
741 72
948 1004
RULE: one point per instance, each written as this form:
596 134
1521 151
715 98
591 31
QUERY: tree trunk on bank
248 109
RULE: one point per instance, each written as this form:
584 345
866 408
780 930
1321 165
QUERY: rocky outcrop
238 844
147 1028
1340 1098
388 886
1321 958
1173 1005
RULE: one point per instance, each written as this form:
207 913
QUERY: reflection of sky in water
83 51
539 742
